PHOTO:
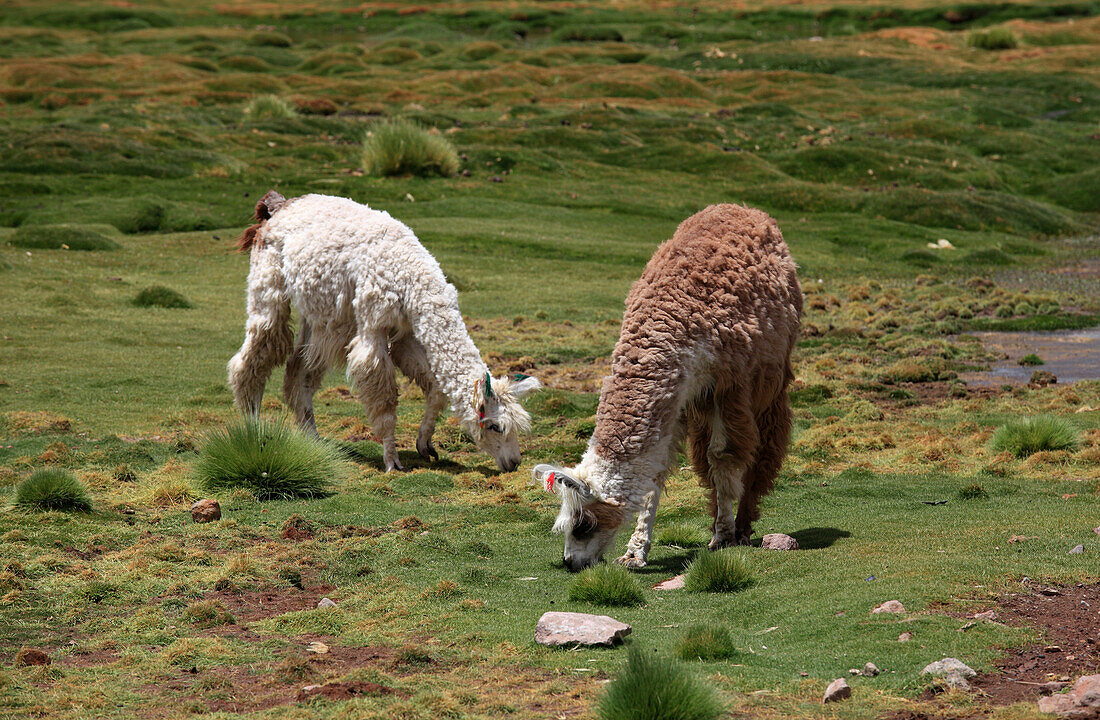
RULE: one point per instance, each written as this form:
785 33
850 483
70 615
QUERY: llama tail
268 205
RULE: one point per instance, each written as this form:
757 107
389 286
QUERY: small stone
838 690
890 606
1086 691
955 680
32 656
1096 529
869 670
987 615
671 584
779 541
569 628
1061 705
905 637
325 603
941 668
317 647
967 626
1077 550
1050 592
1052 649
206 510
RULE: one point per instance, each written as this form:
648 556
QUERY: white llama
368 294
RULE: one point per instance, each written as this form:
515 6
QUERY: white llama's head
588 521
499 418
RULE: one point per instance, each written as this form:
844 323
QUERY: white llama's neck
454 359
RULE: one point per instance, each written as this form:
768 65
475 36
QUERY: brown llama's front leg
268 337
372 371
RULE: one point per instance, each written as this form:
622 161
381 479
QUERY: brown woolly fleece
716 310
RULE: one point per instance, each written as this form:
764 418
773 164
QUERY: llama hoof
631 562
394 464
723 541
427 451
744 538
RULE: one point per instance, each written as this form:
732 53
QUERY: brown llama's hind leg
723 444
775 429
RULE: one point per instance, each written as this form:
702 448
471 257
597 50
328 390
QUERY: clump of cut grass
706 642
1035 434
64 237
681 535
53 489
162 297
269 107
402 147
208 613
720 571
269 459
606 585
973 491
651 687
1030 359
1000 38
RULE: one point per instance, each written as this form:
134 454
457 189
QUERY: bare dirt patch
252 605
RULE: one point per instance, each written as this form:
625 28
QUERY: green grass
269 107
52 489
721 571
609 585
403 147
1000 38
65 237
682 535
160 296
269 459
706 642
652 687
1036 434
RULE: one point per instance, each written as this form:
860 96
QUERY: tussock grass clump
1030 359
706 642
1000 38
53 489
720 571
654 688
64 237
160 296
681 535
973 492
606 585
208 613
270 459
1031 435
269 107
402 147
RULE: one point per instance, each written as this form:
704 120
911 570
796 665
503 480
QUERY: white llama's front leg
268 337
371 370
412 359
303 379
637 548
727 488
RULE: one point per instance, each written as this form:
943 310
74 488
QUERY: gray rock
987 615
1086 691
1096 529
869 670
890 606
568 628
838 690
1052 687
674 583
905 637
1062 705
1077 550
206 510
779 541
325 603
955 680
941 668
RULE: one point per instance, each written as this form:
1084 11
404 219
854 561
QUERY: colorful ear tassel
488 386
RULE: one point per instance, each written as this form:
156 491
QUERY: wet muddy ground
1071 355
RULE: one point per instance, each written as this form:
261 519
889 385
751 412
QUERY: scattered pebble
1052 687
1077 550
325 603
905 637
569 628
317 647
956 680
941 668
838 690
967 626
32 656
987 615
779 541
1096 529
1052 649
890 606
206 510
671 584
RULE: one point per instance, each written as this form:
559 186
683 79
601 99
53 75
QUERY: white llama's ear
524 385
554 477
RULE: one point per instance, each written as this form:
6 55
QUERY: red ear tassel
550 482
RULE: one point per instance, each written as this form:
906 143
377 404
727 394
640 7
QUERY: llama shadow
816 538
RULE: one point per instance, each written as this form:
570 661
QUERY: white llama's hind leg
372 372
412 359
267 340
304 373
637 548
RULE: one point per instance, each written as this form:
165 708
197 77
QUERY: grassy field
586 130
